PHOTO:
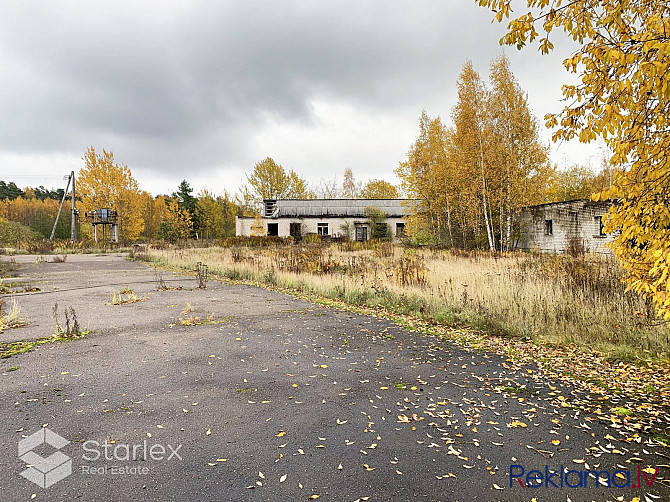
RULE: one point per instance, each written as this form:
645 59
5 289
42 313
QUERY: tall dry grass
559 299
11 318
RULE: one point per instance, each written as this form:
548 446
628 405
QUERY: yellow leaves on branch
102 183
270 180
178 220
624 97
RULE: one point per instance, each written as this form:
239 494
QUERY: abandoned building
556 226
336 218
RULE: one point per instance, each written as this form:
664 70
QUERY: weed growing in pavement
126 295
201 273
192 320
71 328
11 319
161 284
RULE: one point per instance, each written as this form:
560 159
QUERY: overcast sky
204 90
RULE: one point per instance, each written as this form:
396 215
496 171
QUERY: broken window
548 227
273 229
600 227
270 206
322 228
361 233
400 229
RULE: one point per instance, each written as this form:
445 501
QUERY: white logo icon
42 471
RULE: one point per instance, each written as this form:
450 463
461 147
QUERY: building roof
333 207
571 202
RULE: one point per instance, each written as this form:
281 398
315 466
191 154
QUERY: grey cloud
175 84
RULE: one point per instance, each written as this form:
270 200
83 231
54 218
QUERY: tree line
103 182
11 191
183 214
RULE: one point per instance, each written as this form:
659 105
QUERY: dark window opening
600 226
400 229
548 227
273 229
361 233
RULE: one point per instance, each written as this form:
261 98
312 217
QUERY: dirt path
274 398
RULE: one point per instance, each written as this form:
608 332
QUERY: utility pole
53 231
73 226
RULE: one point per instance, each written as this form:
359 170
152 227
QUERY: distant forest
11 191
34 208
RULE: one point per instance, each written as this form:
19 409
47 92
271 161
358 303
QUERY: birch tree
519 162
423 178
469 141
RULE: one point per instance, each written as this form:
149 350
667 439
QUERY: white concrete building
555 226
327 217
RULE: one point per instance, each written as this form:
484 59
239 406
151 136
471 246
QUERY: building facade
557 226
338 218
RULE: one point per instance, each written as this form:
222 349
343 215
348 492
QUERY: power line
35 176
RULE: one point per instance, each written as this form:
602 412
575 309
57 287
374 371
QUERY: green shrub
15 234
311 239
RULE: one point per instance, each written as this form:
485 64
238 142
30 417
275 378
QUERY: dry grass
560 299
126 295
12 318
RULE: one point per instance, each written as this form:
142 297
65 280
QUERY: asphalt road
256 395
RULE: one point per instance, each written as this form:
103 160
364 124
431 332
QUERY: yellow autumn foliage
102 183
623 96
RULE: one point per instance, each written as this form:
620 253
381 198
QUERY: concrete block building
555 226
325 217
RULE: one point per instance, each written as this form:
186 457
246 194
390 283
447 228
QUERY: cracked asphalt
267 397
